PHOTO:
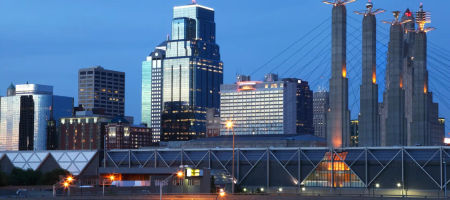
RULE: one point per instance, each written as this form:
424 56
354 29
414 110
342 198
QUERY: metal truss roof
72 161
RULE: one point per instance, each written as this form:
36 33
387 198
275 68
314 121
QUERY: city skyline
125 54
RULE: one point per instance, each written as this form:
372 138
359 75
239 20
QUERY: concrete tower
369 119
408 37
394 96
423 107
338 117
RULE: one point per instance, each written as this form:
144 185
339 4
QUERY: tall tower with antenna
338 117
369 119
409 36
394 97
424 111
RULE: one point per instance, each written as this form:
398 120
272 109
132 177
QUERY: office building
368 117
338 125
304 100
25 114
102 89
152 78
192 73
320 110
84 131
354 133
121 135
259 108
212 122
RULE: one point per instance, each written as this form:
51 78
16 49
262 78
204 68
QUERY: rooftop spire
369 6
338 2
423 18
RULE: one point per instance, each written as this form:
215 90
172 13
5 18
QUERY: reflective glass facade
152 77
24 117
9 123
192 73
259 107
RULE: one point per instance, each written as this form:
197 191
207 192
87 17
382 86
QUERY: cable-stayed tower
369 119
338 117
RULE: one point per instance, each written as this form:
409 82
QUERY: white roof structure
72 161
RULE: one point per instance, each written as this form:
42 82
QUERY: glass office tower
152 90
192 73
24 116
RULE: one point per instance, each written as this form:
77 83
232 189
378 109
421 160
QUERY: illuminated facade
126 136
320 110
101 89
24 116
192 73
259 108
82 133
152 79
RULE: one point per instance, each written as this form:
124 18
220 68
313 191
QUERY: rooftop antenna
338 2
368 11
423 18
396 19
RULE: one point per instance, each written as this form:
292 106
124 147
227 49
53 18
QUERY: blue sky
47 41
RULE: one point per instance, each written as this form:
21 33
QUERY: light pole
179 175
229 126
111 177
445 179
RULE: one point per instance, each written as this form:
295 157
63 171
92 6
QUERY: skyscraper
152 78
192 73
259 108
102 90
25 113
320 110
338 125
304 101
369 120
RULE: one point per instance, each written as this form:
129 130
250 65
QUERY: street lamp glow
280 189
261 189
399 185
180 174
229 124
222 193
112 177
66 184
70 179
377 185
245 189
303 189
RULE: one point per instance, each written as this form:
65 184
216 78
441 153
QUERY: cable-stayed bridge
309 58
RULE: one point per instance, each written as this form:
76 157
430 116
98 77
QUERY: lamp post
111 177
229 125
445 178
179 174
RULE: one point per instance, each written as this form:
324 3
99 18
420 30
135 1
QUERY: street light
377 185
70 179
67 186
229 125
111 177
179 174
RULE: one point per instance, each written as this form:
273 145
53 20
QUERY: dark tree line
29 177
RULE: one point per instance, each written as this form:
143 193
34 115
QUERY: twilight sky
47 41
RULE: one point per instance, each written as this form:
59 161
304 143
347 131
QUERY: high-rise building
192 73
354 133
304 100
152 79
84 131
259 108
122 135
338 125
369 119
25 114
394 132
102 89
320 110
212 122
